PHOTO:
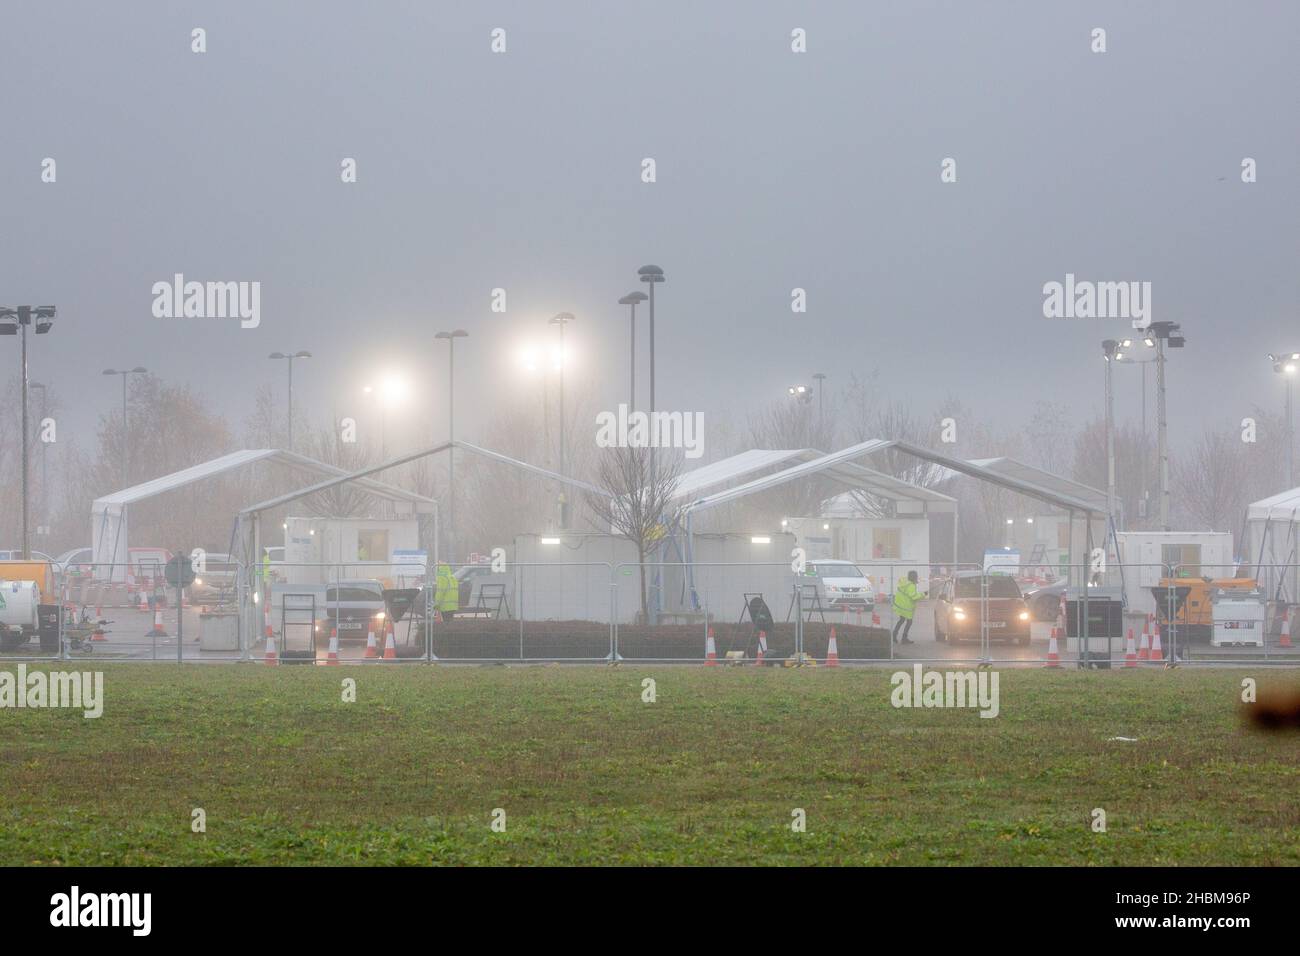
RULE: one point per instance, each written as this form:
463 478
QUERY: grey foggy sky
775 170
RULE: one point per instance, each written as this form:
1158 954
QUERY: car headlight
379 615
959 614
199 582
1024 615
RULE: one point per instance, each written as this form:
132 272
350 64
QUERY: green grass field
588 773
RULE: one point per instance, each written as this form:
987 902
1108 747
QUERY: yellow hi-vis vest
905 597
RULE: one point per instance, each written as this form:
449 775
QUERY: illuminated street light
451 338
1158 335
1128 355
12 321
388 394
562 319
1285 364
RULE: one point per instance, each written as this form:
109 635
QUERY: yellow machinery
1198 610
42 572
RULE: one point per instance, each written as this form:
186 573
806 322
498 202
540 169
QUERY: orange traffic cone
158 629
266 621
832 650
1284 640
332 655
98 633
1130 651
1157 652
372 649
710 650
1053 650
143 603
1144 647
762 647
390 649
271 657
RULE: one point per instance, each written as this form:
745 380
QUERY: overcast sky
775 170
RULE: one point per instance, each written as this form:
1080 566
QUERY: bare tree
1212 480
346 500
788 425
1048 434
641 507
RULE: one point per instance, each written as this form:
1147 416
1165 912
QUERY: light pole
138 370
1109 350
391 391
45 469
451 338
1124 356
16 320
631 299
530 362
369 392
289 357
652 276
1285 364
562 319
820 379
1157 334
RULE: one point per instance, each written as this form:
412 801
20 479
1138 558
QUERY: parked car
18 556
1045 602
215 583
76 561
843 585
959 608
357 606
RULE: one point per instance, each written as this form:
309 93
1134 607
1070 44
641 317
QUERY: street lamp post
1157 335
1109 349
289 357
45 469
652 276
389 392
451 338
1123 356
138 370
562 319
17 320
631 299
820 379
1285 364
